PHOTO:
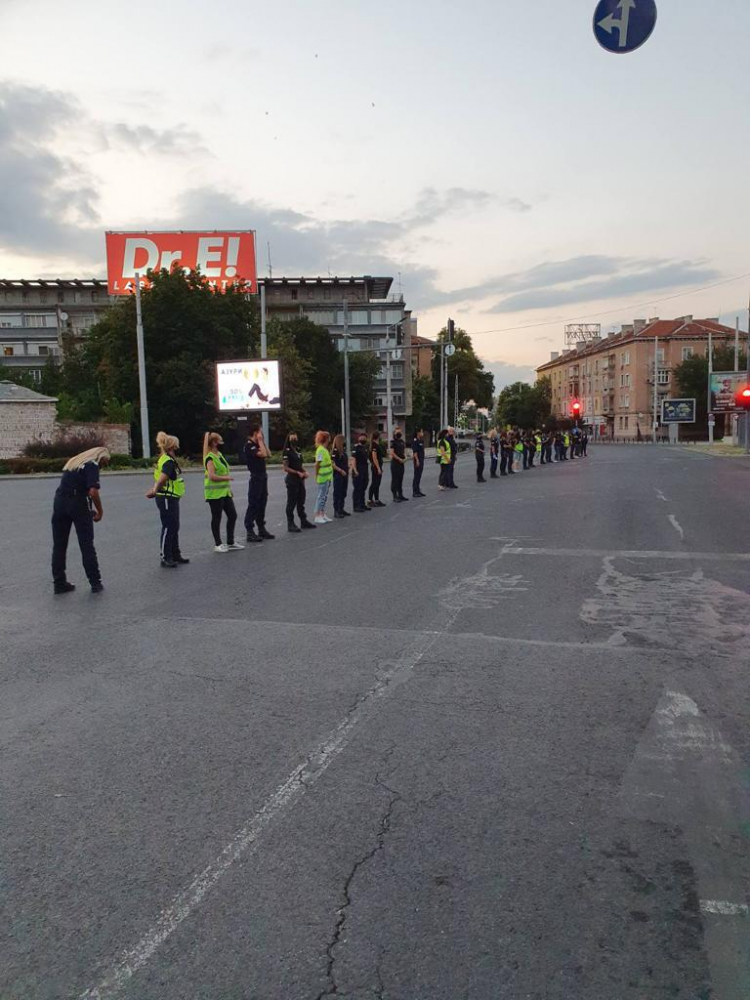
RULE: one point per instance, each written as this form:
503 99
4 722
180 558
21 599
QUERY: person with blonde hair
323 475
218 492
168 489
78 503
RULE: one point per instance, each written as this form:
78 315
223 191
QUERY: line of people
78 501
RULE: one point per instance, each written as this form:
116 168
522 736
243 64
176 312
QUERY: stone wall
116 437
22 422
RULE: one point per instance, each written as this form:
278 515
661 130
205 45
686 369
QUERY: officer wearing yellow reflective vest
168 488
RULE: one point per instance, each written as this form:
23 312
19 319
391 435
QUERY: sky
488 155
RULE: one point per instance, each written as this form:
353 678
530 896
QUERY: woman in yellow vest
444 460
218 492
168 490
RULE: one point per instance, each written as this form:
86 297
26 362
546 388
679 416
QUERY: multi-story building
374 318
613 377
36 315
421 358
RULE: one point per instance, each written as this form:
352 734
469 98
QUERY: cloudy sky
512 173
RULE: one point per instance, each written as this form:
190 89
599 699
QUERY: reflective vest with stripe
173 487
211 490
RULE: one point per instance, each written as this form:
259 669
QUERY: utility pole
263 351
388 395
347 407
443 414
656 386
710 373
145 433
455 405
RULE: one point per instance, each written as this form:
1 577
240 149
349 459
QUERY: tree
363 371
425 403
524 405
474 383
187 328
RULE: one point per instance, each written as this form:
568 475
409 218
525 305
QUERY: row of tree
188 327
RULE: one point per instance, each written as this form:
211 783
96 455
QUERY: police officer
398 461
360 474
494 452
295 484
417 457
77 503
168 488
377 457
256 454
453 445
479 454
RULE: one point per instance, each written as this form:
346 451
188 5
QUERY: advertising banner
678 411
724 389
248 386
223 258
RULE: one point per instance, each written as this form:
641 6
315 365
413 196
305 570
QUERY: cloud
506 373
143 139
634 278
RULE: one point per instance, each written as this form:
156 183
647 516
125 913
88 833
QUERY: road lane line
676 525
724 909
246 840
624 553
661 496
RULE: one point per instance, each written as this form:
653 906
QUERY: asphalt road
490 744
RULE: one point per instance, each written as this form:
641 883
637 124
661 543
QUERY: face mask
398 436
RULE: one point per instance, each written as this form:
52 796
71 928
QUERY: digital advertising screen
248 386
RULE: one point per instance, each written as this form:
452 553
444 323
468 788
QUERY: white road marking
676 525
624 554
246 839
724 909
661 496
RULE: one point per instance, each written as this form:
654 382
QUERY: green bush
64 446
26 465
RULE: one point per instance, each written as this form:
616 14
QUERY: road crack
332 988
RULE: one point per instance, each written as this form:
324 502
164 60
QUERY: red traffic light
743 397
576 407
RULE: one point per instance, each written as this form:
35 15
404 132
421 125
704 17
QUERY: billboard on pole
678 411
223 258
249 386
724 389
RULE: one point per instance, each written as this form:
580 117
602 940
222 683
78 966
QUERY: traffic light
743 398
576 408
451 330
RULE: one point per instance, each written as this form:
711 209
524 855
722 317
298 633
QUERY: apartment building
374 317
36 315
613 377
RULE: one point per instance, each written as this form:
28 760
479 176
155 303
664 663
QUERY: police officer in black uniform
398 461
78 504
256 454
360 473
479 453
417 457
295 484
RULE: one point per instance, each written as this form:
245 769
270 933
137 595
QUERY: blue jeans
320 502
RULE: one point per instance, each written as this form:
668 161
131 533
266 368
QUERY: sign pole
145 433
388 396
656 386
443 420
263 349
347 403
710 373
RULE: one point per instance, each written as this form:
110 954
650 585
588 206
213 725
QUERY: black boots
293 529
266 534
64 587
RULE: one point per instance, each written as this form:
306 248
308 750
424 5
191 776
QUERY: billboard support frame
145 432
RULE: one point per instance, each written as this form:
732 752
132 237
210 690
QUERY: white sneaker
235 547
327 520
221 548
321 520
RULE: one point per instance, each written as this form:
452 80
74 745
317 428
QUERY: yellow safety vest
173 487
211 490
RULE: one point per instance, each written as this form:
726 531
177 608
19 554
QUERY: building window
626 423
326 293
8 352
687 353
625 402
5 324
43 350
61 296
663 377
39 319
359 317
294 294
620 424
660 356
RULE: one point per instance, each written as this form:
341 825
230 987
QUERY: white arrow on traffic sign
610 22
450 350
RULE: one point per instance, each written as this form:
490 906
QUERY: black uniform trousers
503 461
480 466
257 498
377 479
169 510
493 464
397 478
359 486
340 489
295 499
68 512
416 483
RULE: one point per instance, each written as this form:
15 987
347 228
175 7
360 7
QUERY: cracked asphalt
490 744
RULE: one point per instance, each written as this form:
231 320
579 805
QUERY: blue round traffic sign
624 25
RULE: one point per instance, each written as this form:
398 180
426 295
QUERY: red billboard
223 258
